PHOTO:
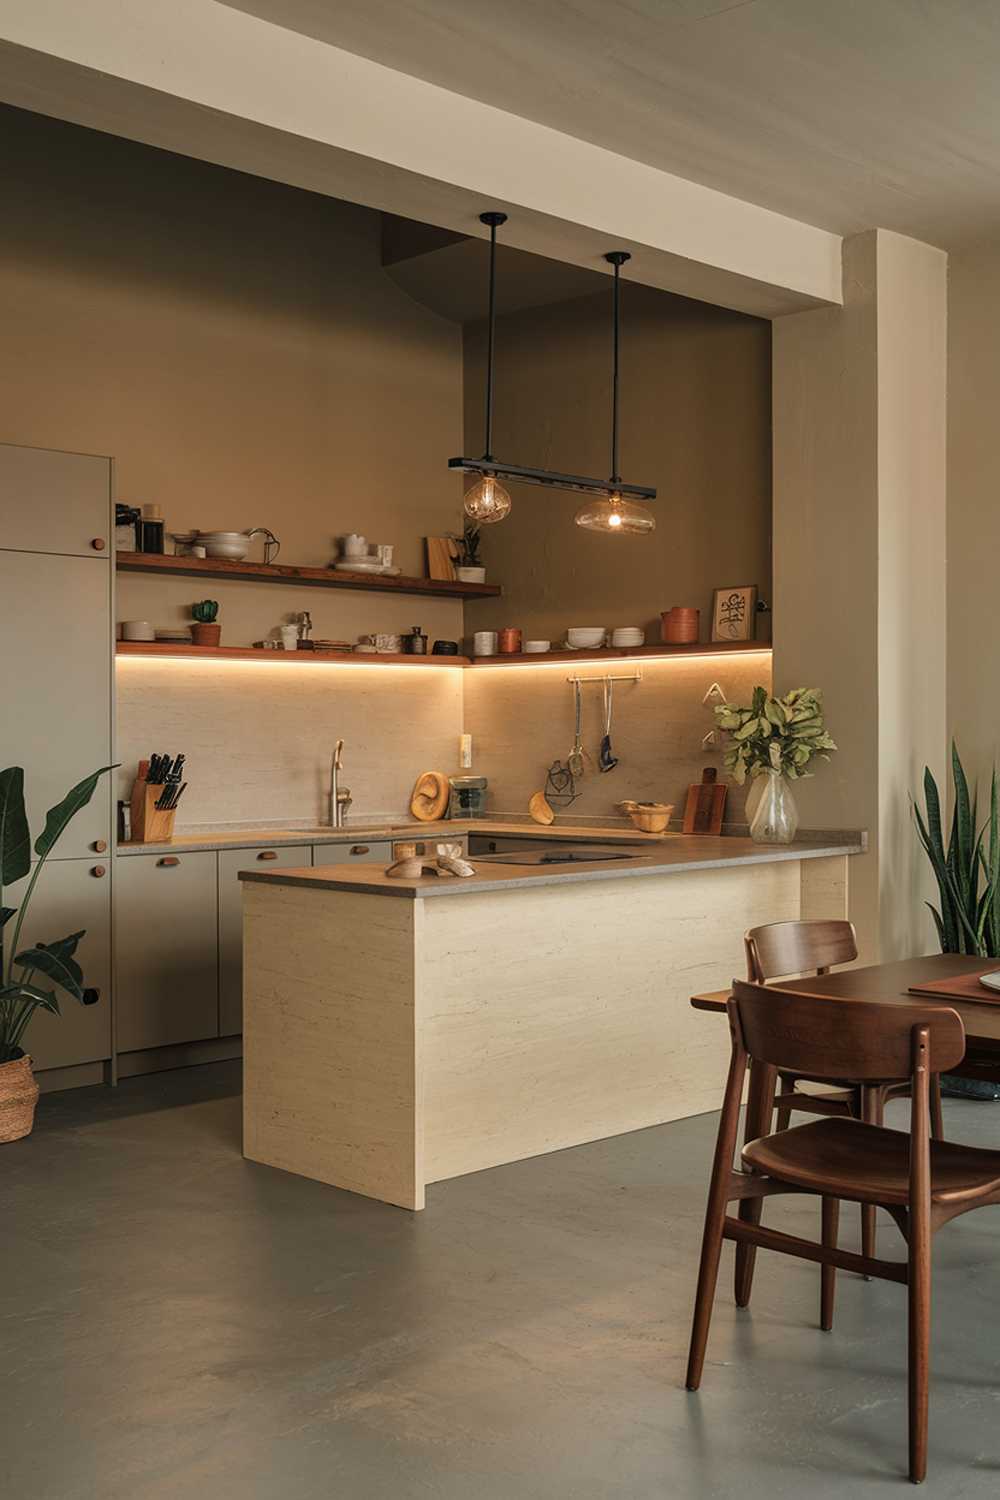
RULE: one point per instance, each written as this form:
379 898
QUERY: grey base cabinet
372 852
166 941
231 862
71 894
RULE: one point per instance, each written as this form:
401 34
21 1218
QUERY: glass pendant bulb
616 517
487 501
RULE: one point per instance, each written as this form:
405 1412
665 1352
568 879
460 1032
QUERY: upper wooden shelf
329 578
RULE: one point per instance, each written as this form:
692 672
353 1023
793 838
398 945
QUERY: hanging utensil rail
583 681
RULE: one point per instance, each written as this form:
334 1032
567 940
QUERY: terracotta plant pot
18 1097
205 635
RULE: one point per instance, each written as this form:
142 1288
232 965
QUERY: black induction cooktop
578 854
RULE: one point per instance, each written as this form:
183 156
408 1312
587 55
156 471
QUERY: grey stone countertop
268 836
674 853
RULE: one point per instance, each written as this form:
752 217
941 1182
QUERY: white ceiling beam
199 78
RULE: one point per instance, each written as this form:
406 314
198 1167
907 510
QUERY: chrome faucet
340 796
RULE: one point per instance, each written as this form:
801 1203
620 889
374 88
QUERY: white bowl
232 551
586 635
221 536
138 630
536 648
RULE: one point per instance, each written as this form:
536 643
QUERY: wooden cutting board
961 986
441 554
706 803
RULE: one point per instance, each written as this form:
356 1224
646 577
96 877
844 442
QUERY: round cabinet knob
98 870
98 543
99 846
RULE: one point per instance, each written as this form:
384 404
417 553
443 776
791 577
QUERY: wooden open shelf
327 578
371 659
307 658
621 653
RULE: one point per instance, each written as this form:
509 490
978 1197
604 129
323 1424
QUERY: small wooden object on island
706 802
430 796
445 863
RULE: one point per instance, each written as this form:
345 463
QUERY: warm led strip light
317 659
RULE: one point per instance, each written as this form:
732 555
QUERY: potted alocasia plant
776 738
27 974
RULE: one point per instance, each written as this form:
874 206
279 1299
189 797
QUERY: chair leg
919 1352
873 1113
760 1108
708 1275
828 1274
937 1114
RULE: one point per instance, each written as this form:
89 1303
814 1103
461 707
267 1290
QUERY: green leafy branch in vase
775 734
25 972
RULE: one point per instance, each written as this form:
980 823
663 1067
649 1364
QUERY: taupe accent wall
695 423
233 343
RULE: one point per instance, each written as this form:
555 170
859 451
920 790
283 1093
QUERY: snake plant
967 870
24 971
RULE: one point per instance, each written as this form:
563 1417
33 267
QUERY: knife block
150 824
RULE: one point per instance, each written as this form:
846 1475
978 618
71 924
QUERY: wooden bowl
649 817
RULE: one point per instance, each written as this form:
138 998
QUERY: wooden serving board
961 986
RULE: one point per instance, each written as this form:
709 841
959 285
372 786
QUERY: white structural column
859 560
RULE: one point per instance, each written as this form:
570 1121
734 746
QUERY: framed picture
734 613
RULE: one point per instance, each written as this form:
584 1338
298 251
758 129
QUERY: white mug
355 545
290 637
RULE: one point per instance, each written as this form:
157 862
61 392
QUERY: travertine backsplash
258 735
521 719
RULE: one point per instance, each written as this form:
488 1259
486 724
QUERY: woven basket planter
18 1097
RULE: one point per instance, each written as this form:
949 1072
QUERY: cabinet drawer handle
169 860
98 544
99 846
267 854
360 849
98 870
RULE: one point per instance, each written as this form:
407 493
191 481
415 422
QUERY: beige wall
695 424
973 504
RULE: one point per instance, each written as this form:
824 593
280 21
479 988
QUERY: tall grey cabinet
56 710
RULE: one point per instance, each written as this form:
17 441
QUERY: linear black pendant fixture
488 501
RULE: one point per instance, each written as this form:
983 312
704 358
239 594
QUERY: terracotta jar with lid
509 640
679 626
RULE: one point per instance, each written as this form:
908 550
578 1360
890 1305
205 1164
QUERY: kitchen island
399 1032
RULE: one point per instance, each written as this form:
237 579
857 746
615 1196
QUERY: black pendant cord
617 258
494 220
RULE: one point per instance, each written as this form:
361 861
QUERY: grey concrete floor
176 1322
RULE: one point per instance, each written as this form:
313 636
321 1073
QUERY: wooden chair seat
869 1164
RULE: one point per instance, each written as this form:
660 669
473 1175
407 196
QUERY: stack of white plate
628 635
536 648
179 636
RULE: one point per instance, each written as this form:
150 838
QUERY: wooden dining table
888 984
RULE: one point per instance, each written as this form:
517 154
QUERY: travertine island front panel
390 1043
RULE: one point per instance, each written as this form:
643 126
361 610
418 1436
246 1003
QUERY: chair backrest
782 948
827 1036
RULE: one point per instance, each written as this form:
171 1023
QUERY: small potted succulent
206 631
27 974
470 569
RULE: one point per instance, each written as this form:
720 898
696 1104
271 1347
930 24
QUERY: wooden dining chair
780 949
921 1183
